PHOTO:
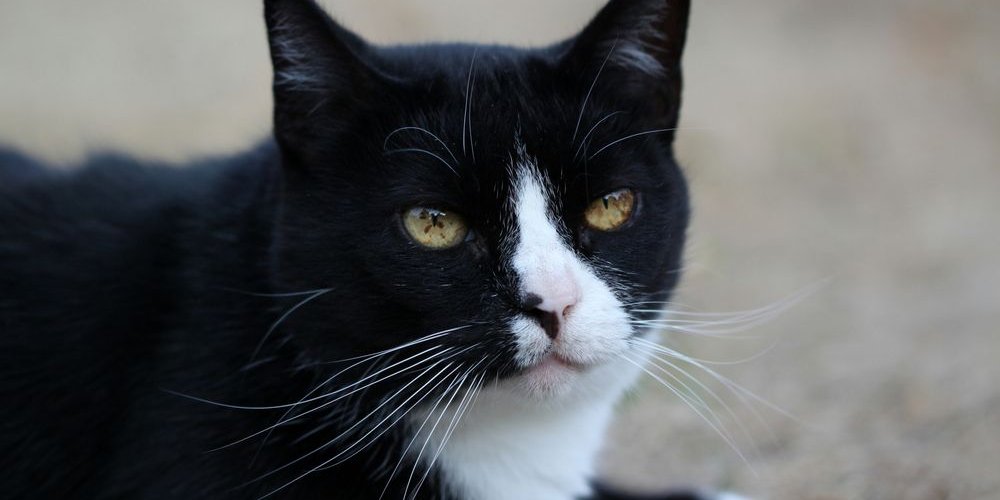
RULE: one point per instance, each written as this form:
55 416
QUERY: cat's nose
550 310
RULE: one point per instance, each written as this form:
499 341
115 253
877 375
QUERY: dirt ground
850 146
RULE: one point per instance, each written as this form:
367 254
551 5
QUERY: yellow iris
433 228
610 211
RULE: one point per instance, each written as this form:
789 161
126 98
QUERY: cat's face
506 211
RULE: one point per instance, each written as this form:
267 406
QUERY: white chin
548 380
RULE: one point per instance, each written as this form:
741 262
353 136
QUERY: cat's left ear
636 45
321 78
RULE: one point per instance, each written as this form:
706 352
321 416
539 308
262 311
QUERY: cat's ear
637 46
320 75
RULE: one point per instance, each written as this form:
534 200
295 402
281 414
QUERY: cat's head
524 202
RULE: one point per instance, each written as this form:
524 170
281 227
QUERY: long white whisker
425 338
467 112
338 437
385 143
412 366
292 405
775 307
363 359
632 136
669 352
386 428
724 435
583 142
285 316
285 418
737 389
277 295
704 387
470 393
416 434
420 454
741 397
583 107
426 152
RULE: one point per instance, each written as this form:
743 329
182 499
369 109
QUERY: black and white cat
428 284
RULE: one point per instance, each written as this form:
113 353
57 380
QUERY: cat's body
141 305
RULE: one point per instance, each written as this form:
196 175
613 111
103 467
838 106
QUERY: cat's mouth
553 360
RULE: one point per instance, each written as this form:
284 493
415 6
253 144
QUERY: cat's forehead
506 89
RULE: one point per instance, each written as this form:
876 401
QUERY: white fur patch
535 436
596 329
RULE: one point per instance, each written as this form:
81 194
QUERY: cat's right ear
635 46
320 76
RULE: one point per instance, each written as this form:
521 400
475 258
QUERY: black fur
125 284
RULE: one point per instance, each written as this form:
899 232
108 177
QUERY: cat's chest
501 452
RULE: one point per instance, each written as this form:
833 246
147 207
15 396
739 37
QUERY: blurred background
846 147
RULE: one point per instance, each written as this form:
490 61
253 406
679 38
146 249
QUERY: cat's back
96 246
92 270
74 278
67 234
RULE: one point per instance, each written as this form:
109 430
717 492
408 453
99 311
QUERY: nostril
550 315
549 322
566 310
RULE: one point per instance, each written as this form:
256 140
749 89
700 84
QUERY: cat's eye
611 211
434 228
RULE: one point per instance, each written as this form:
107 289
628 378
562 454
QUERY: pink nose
552 309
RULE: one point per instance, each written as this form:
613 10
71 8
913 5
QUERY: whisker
285 316
583 142
455 419
278 407
740 361
713 334
739 395
278 295
416 462
632 136
424 151
286 419
411 343
737 389
583 107
386 428
724 435
781 304
337 438
466 113
385 143
416 434
704 387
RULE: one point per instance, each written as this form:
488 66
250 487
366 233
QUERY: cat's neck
506 446
500 452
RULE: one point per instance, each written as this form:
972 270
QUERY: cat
429 282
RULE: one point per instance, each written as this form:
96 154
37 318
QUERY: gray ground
854 142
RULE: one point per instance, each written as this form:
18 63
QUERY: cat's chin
552 377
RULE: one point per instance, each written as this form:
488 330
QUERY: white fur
535 436
508 448
597 328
